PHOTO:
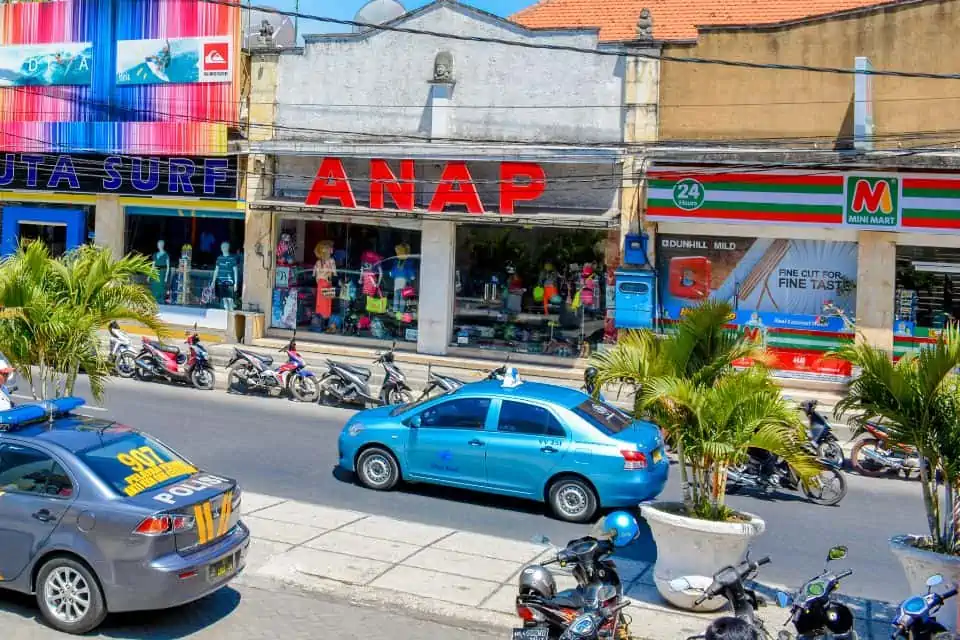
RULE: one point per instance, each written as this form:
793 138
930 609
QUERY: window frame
54 461
565 434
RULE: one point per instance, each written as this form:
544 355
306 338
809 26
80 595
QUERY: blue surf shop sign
46 65
175 61
213 177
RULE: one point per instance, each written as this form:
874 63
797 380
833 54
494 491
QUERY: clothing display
324 271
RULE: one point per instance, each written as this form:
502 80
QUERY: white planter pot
690 551
919 565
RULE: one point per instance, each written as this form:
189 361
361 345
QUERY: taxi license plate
531 633
221 568
657 455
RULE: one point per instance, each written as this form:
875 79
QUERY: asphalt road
282 448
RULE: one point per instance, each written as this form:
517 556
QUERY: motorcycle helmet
537 580
620 527
590 377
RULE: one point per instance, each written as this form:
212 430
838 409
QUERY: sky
346 9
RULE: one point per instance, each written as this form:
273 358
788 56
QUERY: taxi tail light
164 523
633 460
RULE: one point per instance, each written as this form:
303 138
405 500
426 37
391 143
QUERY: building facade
459 196
114 125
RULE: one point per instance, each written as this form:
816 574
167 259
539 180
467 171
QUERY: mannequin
403 273
161 261
226 276
548 280
324 271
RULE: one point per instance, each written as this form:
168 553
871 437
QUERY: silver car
99 518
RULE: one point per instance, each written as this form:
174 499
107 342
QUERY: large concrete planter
690 551
919 565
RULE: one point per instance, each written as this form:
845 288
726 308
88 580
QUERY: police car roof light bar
32 413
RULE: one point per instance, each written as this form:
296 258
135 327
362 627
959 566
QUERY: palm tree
918 401
712 413
52 310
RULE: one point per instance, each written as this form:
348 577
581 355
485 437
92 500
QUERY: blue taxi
531 440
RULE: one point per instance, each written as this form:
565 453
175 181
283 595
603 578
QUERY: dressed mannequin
548 280
225 276
324 271
161 261
403 273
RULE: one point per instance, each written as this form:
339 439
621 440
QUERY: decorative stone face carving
265 36
645 25
443 67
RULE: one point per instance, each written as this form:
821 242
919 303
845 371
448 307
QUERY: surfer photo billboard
175 60
46 65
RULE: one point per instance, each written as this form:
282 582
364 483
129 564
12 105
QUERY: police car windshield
135 463
603 416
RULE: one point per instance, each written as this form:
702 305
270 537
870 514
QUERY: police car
98 518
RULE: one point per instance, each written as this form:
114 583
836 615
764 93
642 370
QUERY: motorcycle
874 454
728 583
813 610
827 489
349 384
251 372
157 360
916 618
121 357
821 434
595 623
441 383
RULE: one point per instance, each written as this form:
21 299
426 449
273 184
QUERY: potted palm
918 401
712 413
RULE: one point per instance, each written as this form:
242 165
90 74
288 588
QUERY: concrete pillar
438 245
258 240
876 286
440 112
109 224
641 94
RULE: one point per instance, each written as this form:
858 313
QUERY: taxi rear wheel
572 499
69 596
377 469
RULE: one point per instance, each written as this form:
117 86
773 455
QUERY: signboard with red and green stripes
888 202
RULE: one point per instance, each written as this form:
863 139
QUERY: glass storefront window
537 291
200 259
348 280
927 294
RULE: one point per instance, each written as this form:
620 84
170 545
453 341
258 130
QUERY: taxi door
525 444
35 492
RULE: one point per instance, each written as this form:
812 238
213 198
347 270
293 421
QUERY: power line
600 52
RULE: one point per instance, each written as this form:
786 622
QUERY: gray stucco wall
377 83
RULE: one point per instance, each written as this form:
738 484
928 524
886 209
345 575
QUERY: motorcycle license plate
657 455
531 633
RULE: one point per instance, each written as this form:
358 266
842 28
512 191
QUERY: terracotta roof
677 19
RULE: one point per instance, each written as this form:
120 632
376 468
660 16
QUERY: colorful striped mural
182 119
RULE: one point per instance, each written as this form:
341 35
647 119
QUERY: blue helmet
620 527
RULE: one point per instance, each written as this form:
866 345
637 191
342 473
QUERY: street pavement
286 449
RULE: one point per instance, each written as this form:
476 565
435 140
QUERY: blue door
526 447
449 446
60 229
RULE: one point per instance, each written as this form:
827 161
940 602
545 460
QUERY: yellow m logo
872 198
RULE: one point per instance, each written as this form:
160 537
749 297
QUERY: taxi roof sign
511 379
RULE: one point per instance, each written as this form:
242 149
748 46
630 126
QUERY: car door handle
476 443
43 515
548 449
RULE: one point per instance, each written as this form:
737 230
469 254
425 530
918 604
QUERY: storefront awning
185 213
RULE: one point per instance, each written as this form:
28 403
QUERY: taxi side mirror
414 422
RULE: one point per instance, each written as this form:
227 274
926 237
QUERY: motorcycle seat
169 348
363 372
266 360
438 377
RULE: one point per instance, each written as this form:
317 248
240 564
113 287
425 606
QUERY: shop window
927 296
347 280
537 291
199 259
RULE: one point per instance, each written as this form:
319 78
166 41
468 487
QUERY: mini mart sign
887 202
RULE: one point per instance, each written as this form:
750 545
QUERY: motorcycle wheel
400 396
303 388
817 494
140 373
125 366
237 378
203 378
831 451
331 391
862 463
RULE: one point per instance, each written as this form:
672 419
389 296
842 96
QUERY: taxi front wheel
377 469
69 596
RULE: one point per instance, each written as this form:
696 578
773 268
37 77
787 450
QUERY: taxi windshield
135 463
403 408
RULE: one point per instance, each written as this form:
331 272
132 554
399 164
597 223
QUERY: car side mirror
415 422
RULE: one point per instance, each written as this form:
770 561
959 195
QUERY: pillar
438 245
876 287
109 224
641 121
258 240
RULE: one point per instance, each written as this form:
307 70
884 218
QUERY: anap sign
872 201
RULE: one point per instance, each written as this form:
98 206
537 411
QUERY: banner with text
771 283
175 61
55 64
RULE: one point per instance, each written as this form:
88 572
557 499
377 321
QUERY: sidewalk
465 578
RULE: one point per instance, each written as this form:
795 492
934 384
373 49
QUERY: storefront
519 265
810 258
182 212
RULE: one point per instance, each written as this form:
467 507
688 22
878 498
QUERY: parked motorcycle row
594 609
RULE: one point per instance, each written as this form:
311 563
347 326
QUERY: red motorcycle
875 454
167 362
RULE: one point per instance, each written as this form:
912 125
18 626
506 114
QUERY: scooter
441 383
251 372
916 619
874 454
349 384
121 357
821 434
157 360
814 612
728 583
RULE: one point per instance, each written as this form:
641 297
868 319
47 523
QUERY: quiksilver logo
214 57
